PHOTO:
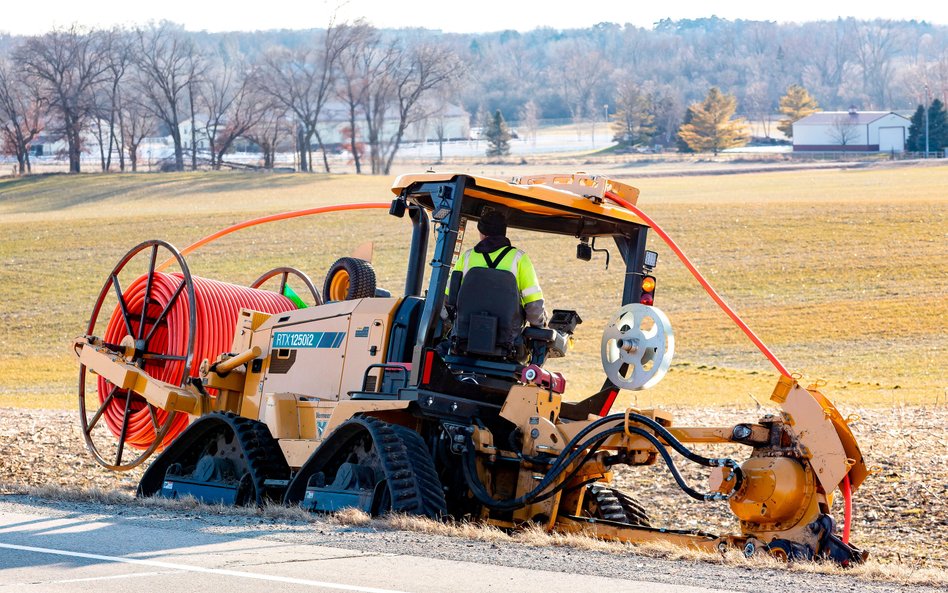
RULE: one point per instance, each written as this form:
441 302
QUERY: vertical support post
632 250
449 197
415 275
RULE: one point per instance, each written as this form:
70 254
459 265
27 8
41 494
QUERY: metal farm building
856 131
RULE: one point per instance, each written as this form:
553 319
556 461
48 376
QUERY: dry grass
841 272
533 536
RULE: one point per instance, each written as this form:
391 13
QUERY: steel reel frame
141 352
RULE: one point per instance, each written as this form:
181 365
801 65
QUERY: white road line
110 577
202 569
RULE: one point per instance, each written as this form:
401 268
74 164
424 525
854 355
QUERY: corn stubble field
841 272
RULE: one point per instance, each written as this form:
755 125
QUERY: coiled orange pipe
217 306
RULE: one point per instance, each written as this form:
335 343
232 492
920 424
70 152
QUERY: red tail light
648 290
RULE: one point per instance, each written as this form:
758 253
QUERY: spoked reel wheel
637 347
152 325
284 274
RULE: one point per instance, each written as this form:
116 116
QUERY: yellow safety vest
514 261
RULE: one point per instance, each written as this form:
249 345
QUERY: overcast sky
448 15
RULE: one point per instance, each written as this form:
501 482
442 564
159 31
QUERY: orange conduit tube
218 305
273 218
703 282
846 488
845 485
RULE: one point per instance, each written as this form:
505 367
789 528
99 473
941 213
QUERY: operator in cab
495 251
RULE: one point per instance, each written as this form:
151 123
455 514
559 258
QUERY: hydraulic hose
577 447
217 304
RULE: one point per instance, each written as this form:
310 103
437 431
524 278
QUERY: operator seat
490 318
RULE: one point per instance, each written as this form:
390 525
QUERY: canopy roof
571 204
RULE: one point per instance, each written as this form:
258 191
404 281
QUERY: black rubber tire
361 279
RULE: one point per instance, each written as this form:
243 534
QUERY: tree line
272 88
127 85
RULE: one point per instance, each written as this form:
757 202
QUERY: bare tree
759 106
270 130
69 63
117 54
579 70
169 64
22 112
395 96
139 122
530 120
878 43
358 66
231 104
302 80
843 131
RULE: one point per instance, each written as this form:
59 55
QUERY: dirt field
901 513
841 272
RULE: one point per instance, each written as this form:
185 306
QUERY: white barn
857 131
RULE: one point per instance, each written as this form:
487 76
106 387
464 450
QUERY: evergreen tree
937 128
796 105
498 136
916 133
712 127
679 141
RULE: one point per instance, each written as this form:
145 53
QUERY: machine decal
362 332
308 339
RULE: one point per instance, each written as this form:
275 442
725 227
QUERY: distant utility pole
927 108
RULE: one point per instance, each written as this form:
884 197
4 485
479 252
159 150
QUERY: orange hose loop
703 282
272 218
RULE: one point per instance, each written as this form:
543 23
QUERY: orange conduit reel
187 319
166 323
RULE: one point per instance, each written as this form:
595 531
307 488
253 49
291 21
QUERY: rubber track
262 456
615 505
405 462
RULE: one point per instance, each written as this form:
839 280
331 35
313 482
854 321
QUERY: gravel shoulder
737 576
901 512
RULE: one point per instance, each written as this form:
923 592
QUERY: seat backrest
489 314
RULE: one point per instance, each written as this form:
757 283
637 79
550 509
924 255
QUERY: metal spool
637 347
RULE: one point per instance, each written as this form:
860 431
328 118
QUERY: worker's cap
493 224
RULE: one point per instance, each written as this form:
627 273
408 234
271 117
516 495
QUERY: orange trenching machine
436 402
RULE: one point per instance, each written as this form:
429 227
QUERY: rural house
857 131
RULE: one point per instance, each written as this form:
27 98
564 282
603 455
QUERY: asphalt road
53 546
50 551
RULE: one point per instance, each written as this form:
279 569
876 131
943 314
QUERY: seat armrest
539 334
